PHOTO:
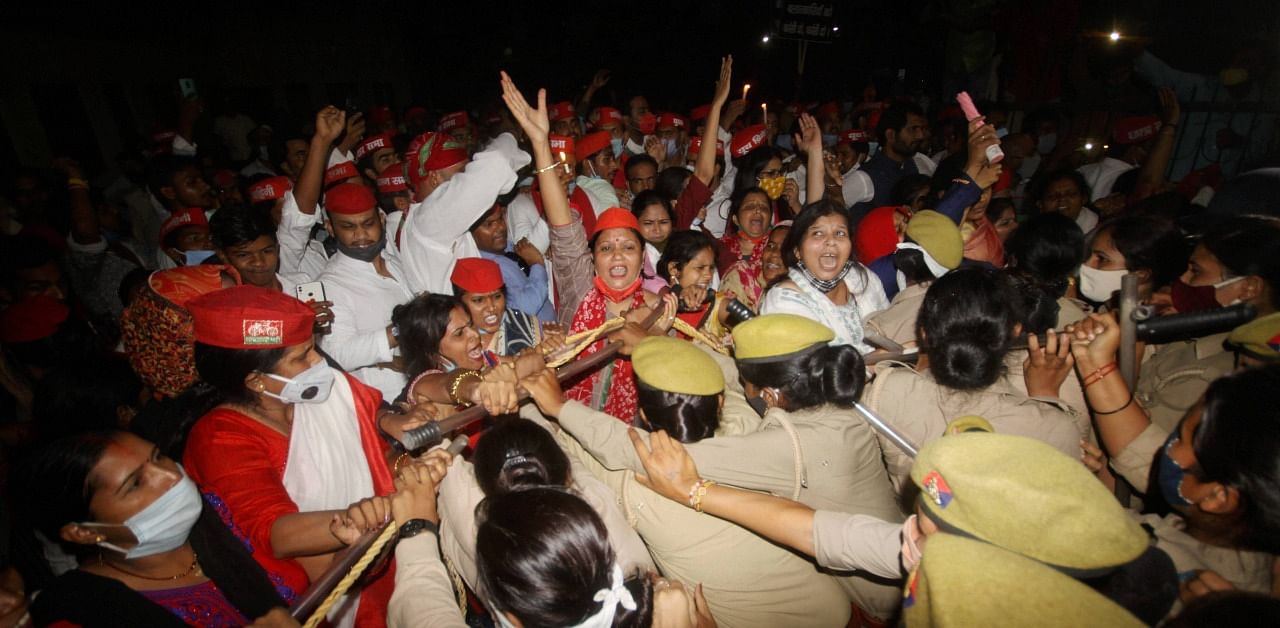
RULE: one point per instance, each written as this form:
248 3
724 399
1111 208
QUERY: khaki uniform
898 323
1245 570
1133 463
748 581
920 409
1176 375
1071 392
460 494
826 458
1070 311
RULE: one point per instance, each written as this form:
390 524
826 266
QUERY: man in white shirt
365 284
1126 151
452 194
851 150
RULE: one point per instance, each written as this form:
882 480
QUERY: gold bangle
457 383
546 168
697 492
395 468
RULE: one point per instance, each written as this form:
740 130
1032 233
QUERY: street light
1115 35
764 39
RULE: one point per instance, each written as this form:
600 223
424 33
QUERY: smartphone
310 292
188 87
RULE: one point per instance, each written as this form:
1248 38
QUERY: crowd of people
868 370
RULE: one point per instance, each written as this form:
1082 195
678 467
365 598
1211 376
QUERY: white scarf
326 468
843 320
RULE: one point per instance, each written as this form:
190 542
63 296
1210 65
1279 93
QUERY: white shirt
856 187
864 289
717 219
1101 175
925 165
362 303
435 233
300 254
1087 220
523 221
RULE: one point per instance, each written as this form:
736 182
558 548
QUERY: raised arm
84 221
1119 419
537 126
1151 177
330 123
705 166
811 141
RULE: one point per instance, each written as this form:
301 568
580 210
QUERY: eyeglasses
769 174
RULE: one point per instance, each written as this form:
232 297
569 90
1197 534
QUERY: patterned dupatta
611 389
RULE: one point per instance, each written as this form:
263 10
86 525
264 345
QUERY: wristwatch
414 527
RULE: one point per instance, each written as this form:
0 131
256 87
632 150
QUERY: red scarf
732 242
615 295
616 382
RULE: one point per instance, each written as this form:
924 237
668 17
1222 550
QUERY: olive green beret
962 582
1027 497
774 337
1259 338
938 235
676 366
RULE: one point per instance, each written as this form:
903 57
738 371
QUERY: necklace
193 569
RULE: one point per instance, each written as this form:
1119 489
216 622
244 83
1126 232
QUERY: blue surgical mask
830 139
310 386
1169 475
195 258
670 145
164 525
616 144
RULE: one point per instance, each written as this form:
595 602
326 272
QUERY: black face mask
364 253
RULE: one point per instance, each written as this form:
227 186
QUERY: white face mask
1098 285
165 524
310 386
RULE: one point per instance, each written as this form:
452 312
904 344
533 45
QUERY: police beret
938 235
1027 497
676 366
1259 338
776 337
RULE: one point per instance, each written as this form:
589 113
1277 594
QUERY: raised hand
1170 110
1047 367
535 122
330 123
810 136
724 84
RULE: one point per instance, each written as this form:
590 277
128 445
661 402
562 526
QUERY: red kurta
239 464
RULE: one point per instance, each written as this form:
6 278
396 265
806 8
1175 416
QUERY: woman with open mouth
597 274
447 362
688 264
746 281
504 331
824 282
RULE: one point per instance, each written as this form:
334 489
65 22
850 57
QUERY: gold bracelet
697 492
546 168
457 383
395 468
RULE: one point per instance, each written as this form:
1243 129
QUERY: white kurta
435 233
300 254
1102 175
362 303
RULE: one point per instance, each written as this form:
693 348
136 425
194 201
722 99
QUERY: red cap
370 144
647 123
337 173
591 144
391 180
381 115
224 178
829 109
1003 181
349 199
700 113
668 120
476 274
853 136
747 140
269 189
605 116
182 218
614 218
433 151
249 317
562 110
1136 129
181 284
696 143
33 318
875 236
454 120
561 144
